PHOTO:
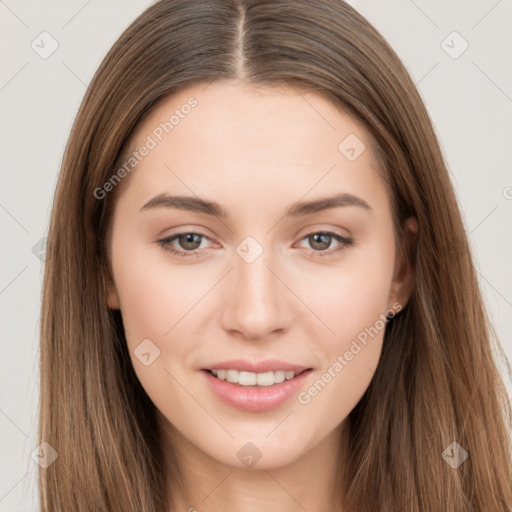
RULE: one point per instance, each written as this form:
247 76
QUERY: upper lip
269 365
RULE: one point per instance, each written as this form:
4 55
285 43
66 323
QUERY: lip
255 398
244 365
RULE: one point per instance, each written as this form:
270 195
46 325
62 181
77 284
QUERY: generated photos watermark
304 397
151 142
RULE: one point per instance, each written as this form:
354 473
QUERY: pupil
325 244
189 238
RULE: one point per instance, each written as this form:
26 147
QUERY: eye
191 241
321 240
188 241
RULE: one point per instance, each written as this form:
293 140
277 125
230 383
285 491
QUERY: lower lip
255 398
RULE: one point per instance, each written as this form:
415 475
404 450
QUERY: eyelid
345 241
322 227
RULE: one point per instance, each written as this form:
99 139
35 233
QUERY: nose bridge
257 296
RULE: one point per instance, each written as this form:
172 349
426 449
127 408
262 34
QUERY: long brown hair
436 383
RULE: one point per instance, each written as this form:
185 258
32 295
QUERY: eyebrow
300 209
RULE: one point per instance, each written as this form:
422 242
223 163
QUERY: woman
249 370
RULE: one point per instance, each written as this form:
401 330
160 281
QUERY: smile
255 392
254 379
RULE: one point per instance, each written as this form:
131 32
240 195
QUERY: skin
255 151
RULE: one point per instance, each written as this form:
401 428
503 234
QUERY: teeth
252 379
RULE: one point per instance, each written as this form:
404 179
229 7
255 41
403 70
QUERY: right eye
185 238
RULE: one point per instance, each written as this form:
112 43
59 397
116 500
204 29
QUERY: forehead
252 137
252 113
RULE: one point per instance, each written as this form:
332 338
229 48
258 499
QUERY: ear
403 275
111 290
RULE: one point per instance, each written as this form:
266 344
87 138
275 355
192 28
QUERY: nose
258 303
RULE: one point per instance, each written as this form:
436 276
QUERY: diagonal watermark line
74 73
485 15
499 411
13 423
463 430
208 84
76 14
427 73
198 301
504 298
14 76
488 215
227 227
12 280
293 86
279 423
424 14
334 334
492 81
199 403
217 486
312 187
14 218
3 2
286 491
24 476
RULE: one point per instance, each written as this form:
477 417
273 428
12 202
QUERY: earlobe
404 273
111 291
112 297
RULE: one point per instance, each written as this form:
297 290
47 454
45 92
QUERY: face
258 282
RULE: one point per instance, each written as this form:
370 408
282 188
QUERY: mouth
255 380
255 392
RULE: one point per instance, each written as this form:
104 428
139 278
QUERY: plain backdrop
458 53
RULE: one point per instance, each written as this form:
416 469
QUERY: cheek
355 314
353 306
350 297
155 300
146 302
153 293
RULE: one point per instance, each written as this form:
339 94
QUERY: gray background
469 99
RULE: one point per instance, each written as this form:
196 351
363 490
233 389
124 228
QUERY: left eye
190 241
324 238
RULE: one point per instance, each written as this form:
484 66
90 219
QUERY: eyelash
345 242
